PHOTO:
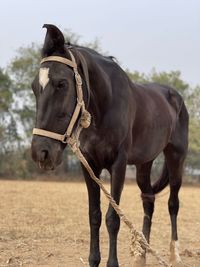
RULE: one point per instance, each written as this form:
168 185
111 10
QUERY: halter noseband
85 118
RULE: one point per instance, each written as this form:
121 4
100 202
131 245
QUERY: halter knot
85 120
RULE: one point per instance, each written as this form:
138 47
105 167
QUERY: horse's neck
100 94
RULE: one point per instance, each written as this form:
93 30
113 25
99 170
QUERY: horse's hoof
139 262
175 259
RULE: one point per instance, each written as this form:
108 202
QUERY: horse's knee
95 218
175 183
148 206
112 221
148 203
173 203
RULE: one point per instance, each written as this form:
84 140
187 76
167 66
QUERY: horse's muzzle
46 153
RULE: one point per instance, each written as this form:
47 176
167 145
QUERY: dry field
46 224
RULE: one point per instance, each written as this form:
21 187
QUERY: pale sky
141 34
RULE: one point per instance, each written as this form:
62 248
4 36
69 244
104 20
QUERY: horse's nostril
44 155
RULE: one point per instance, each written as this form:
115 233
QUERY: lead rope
138 245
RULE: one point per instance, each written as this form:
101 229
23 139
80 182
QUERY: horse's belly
147 146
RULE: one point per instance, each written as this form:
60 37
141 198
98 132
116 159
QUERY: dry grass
46 224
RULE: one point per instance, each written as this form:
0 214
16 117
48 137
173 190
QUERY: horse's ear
54 41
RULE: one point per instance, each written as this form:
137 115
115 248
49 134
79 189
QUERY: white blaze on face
44 77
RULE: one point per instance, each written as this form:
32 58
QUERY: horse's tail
163 181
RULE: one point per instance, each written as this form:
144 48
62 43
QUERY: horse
130 124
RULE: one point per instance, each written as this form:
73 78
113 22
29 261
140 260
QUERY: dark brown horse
131 124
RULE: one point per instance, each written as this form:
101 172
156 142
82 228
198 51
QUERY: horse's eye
61 84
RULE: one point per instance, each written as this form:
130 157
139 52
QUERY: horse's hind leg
148 198
144 183
175 160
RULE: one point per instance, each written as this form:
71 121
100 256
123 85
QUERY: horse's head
55 91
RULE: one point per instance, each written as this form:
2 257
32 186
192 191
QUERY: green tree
5 92
194 128
193 101
23 69
172 78
8 128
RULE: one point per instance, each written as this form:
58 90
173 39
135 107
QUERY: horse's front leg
94 217
118 170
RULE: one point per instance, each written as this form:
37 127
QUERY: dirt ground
46 224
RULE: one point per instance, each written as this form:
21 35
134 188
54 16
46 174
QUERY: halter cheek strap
85 118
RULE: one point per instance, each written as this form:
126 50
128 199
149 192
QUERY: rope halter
85 118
